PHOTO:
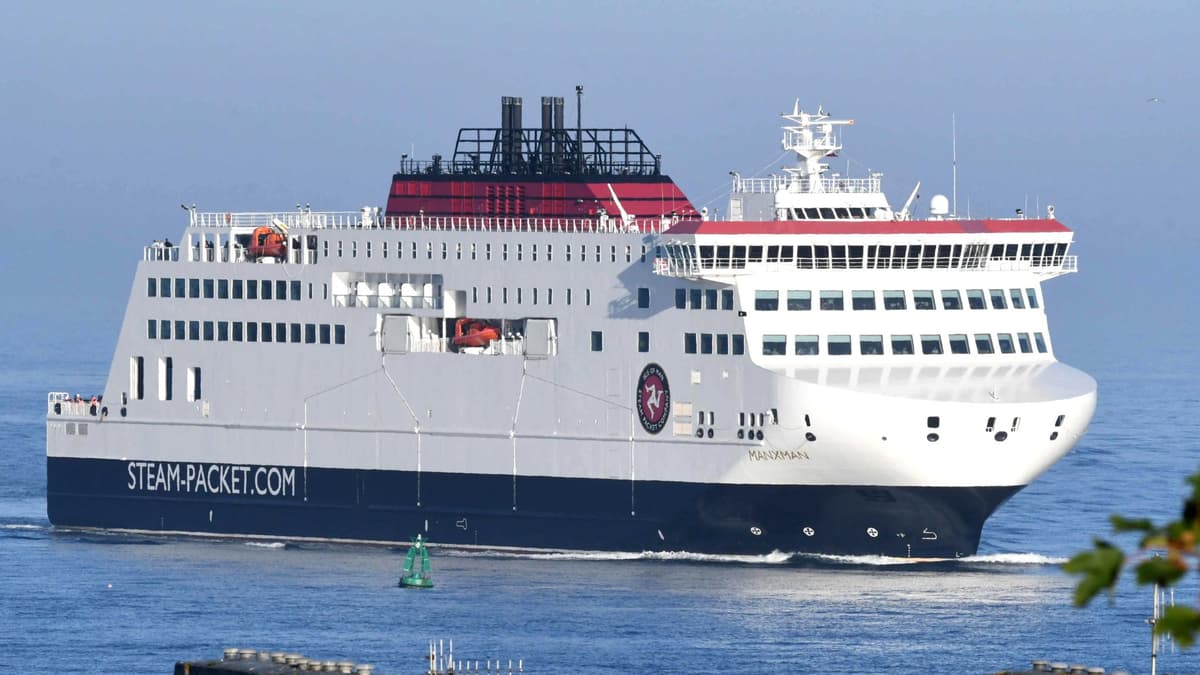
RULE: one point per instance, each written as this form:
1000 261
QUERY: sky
113 114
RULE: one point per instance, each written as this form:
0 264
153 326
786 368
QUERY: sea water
85 602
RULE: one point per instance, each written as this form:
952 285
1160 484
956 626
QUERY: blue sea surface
85 602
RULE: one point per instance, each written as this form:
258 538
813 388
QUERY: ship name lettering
214 479
776 455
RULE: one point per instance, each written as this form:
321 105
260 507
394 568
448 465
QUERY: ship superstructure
542 344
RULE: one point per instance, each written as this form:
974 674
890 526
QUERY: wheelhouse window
862 299
766 301
710 298
1040 342
799 301
870 344
807 345
680 298
1033 299
722 343
902 344
739 344
951 299
689 343
975 298
839 345
959 344
774 345
1005 341
931 344
832 300
726 298
1023 342
893 300
997 295
706 343
983 343
1018 300
923 300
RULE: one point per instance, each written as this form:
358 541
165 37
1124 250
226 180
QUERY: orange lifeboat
474 333
267 242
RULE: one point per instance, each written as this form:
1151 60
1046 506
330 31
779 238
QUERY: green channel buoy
413 576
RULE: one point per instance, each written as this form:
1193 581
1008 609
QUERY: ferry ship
540 343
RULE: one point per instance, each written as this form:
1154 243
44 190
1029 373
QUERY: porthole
699 433
1053 435
741 434
710 433
123 411
933 422
1001 435
758 435
810 436
932 438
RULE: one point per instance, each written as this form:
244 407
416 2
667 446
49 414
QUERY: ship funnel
510 133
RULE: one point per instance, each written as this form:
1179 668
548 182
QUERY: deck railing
692 268
775 183
357 220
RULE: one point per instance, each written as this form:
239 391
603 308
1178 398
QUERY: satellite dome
939 206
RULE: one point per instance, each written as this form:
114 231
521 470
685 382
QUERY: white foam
773 558
878 560
267 544
22 526
1016 559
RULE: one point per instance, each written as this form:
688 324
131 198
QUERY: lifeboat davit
267 242
474 333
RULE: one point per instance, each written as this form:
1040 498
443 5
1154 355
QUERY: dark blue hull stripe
530 512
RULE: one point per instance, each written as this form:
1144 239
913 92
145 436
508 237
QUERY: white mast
811 137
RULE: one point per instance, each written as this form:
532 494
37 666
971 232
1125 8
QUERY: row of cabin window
237 331
224 289
699 298
959 343
643 342
579 252
877 256
827 213
768 301
519 295
709 343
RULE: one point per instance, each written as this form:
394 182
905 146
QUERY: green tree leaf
1181 623
1123 524
1099 568
1163 571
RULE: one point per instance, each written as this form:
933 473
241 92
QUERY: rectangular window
689 343
722 343
931 344
181 288
1032 294
893 300
799 301
766 301
151 329
832 300
923 300
975 298
839 345
223 289
959 344
1023 342
280 331
1004 340
295 333
164 329
137 381
193 384
870 344
862 299
151 287
295 290
252 289
251 331
806 345
267 333
726 298
519 292
193 288
164 287
680 298
209 288
487 251
568 295
597 341
489 294
520 251
902 344
237 289
1018 299
339 334
983 343
166 378
739 344
179 330
706 343
223 331
951 300
587 297
209 331
997 295
643 341
193 330
1040 342
696 296
774 345
266 289
310 333
710 298
325 334
504 295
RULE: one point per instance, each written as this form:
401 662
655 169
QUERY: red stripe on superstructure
867 226
534 198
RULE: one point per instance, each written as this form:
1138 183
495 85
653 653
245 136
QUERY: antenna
954 164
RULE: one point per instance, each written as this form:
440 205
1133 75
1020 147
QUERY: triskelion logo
653 398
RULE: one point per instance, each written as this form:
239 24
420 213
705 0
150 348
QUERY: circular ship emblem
653 398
